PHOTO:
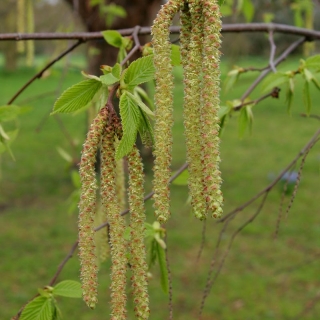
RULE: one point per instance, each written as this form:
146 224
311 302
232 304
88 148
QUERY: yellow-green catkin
20 23
101 237
164 108
138 262
210 107
87 210
30 29
192 37
120 184
117 227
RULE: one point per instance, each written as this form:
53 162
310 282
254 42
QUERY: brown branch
272 51
136 47
311 35
282 57
210 284
274 94
39 74
275 181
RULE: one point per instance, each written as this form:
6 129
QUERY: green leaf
248 10
9 113
5 144
274 80
313 62
130 118
307 97
143 94
139 102
146 130
182 179
113 37
220 2
289 99
90 76
245 120
64 154
116 70
149 230
231 79
75 178
140 71
68 288
77 96
40 308
108 79
163 268
175 55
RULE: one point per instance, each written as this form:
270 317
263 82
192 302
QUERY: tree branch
310 35
39 74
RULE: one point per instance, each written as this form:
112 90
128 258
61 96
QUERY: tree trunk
139 12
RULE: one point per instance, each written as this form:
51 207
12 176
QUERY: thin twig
274 182
210 283
39 74
311 35
314 116
136 47
264 73
294 193
283 195
273 49
203 241
274 94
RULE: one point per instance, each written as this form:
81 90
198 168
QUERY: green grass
261 279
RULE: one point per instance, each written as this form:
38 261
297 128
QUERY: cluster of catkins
105 133
200 57
200 42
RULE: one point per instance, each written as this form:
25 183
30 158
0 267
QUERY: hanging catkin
192 23
116 222
87 210
138 262
210 107
164 112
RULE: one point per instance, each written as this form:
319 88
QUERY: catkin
138 262
87 209
117 225
164 110
192 30
210 107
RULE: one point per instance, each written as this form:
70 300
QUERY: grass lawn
262 278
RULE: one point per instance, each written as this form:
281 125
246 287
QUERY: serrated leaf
68 288
146 130
113 37
140 71
108 79
243 122
274 80
40 308
313 62
248 10
175 55
9 113
307 74
139 102
164 279
130 118
307 97
77 96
